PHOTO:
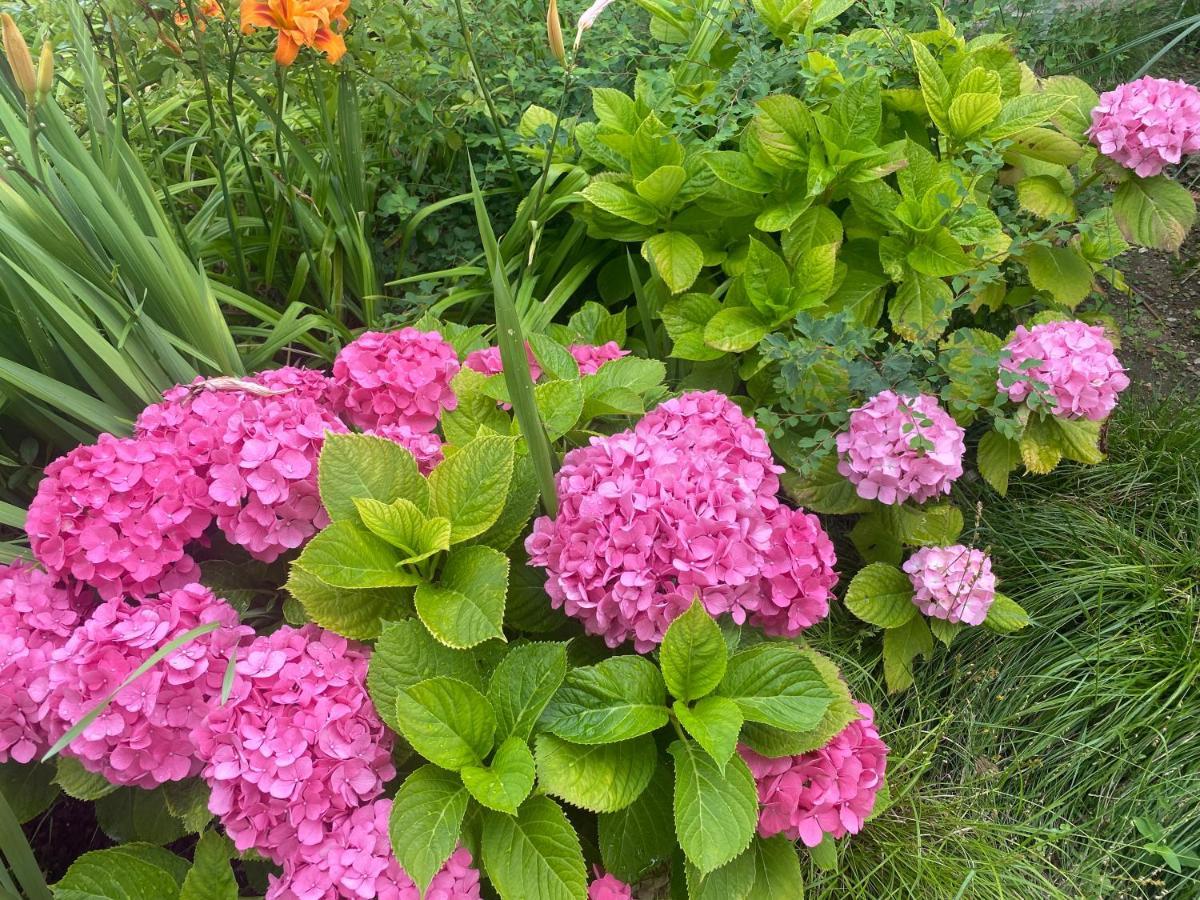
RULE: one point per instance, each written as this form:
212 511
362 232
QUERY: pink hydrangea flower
397 377
118 514
425 446
609 887
1148 124
310 383
141 738
36 618
1075 362
297 746
487 361
257 456
356 861
681 506
591 358
827 791
952 583
899 447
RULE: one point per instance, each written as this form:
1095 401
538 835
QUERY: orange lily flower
206 9
300 23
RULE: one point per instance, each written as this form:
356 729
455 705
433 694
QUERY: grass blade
20 855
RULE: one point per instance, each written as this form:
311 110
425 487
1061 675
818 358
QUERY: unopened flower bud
19 59
45 72
555 34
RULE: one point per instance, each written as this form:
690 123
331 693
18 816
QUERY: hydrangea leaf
620 202
1075 117
774 742
921 307
637 838
469 488
1079 439
766 279
560 404
556 361
29 788
615 110
505 783
776 684
129 872
188 801
735 329
1006 615
211 876
346 555
615 700
1059 271
476 409
970 113
733 881
599 777
134 814
776 869
693 656
930 525
676 257
825 855
1040 449
715 812
78 782
714 723
996 458
662 186
357 614
737 170
901 646
447 721
402 524
629 373
519 506
782 129
466 605
425 821
523 684
362 466
939 255
935 87
825 491
405 654
944 631
1154 212
1024 112
685 318
876 541
534 854
1043 196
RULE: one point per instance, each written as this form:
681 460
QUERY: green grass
1020 763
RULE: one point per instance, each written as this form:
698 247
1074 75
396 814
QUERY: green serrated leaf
715 812
503 784
211 876
523 684
733 881
996 458
406 653
1079 439
346 555
921 308
560 404
362 466
714 723
735 329
1040 448
615 700
1059 271
901 646
29 788
425 821
685 317
776 870
944 631
776 684
639 837
881 595
825 854
775 742
130 872
693 656
78 782
466 605
598 778
534 854
676 257
470 487
402 524
825 491
447 721
1154 212
1006 615
134 814
188 801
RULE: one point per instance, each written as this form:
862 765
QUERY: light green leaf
598 778
1059 271
996 458
447 721
715 812
621 202
776 870
824 855
505 783
362 466
841 712
211 877
1006 615
615 110
738 170
130 872
357 614
1044 196
1079 439
714 723
635 839
782 128
733 881
881 595
1075 117
735 329
425 821
776 684
901 646
617 699
519 506
825 491
944 631
1154 212
535 854
935 88
346 555
693 655
405 527
677 258
661 187
1024 111
970 113
78 782
466 605
920 311
685 318
930 525
470 487
560 404
405 654
188 801
1041 450
940 255
523 684
767 280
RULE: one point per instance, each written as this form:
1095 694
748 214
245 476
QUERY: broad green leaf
534 854
470 487
921 308
523 684
1154 212
130 872
402 524
78 782
405 654
357 614
930 525
714 723
944 631
735 329
1040 444
776 684
447 721
1023 112
1006 615
1075 117
621 202
188 801
555 360
425 821
677 258
465 606
1102 239
617 699
476 409
970 113
1079 439
637 838
29 788
134 814
738 170
661 187
560 404
693 655
715 812
824 855
733 881
361 466
598 778
615 110
519 506
211 876
506 781
939 255
901 646
876 541
1059 271
841 712
782 127
767 280
825 491
935 88
1043 144
776 869
782 214
654 146
685 318
346 555
881 595
1043 196
996 458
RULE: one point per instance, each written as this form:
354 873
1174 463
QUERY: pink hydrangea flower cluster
141 738
312 384
118 514
257 455
1076 363
609 887
1148 124
952 583
36 618
487 362
878 456
827 791
395 377
425 446
591 358
683 505
298 745
356 861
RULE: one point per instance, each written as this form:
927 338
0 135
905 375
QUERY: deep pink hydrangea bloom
36 618
876 451
425 446
1148 124
609 887
952 583
257 456
488 362
356 861
141 739
118 514
298 745
311 383
591 358
1075 362
826 791
682 505
397 377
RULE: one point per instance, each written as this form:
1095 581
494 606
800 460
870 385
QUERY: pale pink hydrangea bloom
425 446
257 456
827 791
297 746
591 358
682 505
877 455
300 382
118 514
356 861
1148 124
1076 363
609 887
396 377
142 737
952 583
36 618
487 362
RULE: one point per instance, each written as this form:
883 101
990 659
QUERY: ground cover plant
699 536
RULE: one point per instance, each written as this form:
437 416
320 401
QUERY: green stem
1086 183
536 215
32 122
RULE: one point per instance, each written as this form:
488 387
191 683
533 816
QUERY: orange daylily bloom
205 9
300 23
